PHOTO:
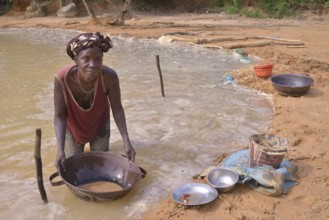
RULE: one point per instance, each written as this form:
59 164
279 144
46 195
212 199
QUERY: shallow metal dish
194 194
222 179
292 84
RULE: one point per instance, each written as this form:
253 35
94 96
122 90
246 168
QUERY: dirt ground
293 46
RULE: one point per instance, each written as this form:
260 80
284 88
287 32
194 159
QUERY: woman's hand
130 152
61 157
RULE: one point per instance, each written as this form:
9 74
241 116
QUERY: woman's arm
59 122
113 91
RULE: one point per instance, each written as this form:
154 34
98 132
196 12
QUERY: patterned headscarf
88 40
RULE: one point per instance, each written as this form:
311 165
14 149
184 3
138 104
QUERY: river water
175 136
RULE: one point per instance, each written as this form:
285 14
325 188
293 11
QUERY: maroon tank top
84 124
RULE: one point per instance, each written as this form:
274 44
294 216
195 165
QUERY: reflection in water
175 137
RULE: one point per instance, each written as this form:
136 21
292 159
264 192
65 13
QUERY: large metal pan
98 166
292 84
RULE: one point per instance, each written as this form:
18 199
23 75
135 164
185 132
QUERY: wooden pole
38 162
89 10
160 75
120 20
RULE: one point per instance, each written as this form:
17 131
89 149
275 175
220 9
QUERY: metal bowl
222 179
98 167
194 194
292 84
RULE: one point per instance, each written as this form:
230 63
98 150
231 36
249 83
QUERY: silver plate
194 194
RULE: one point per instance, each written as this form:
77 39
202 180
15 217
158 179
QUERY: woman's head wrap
88 40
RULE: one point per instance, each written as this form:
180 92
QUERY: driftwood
292 43
261 43
278 39
227 46
247 44
180 33
38 162
217 39
297 46
242 41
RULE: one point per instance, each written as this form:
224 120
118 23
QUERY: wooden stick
247 44
160 75
288 43
276 38
217 39
38 162
297 46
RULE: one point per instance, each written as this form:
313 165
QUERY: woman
84 93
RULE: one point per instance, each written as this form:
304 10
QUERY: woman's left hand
130 152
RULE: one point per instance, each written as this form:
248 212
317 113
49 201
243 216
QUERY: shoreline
304 120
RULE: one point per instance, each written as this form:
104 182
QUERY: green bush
232 10
252 13
265 8
217 4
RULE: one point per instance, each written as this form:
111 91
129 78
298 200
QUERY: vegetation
249 8
269 8
5 6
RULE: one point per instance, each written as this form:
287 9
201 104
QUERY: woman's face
89 62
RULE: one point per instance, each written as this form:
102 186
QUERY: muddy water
175 136
101 187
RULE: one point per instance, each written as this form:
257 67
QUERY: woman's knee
71 148
101 142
